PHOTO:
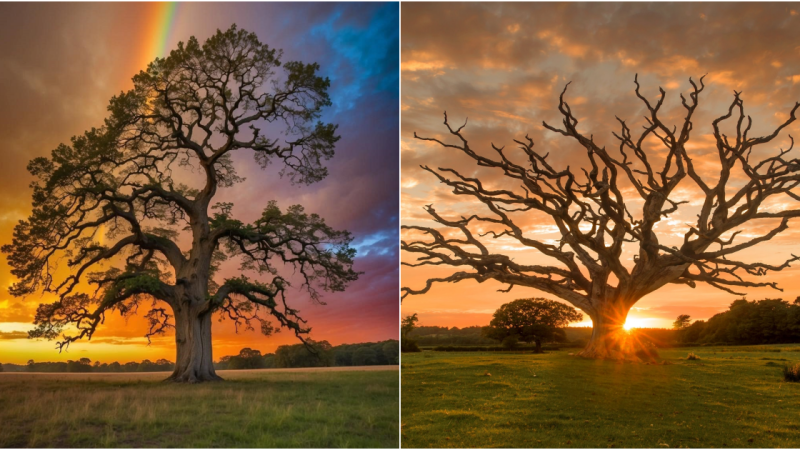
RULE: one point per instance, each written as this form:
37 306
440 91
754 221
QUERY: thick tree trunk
538 343
194 362
610 340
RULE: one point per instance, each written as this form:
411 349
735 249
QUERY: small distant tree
78 366
531 320
165 365
682 322
407 325
146 366
247 359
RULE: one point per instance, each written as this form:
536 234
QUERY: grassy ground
250 409
732 396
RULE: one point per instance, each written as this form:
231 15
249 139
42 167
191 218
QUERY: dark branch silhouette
588 208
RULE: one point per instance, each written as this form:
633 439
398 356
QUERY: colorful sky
503 66
61 63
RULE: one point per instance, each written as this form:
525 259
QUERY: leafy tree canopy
681 322
109 208
531 320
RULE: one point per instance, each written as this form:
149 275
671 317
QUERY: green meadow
730 397
261 408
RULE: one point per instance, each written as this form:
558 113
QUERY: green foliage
390 351
298 355
246 359
324 256
144 283
407 325
365 356
531 320
84 366
681 322
435 335
380 353
768 321
311 354
511 341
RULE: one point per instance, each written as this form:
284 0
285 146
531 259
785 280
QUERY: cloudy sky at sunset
61 63
503 67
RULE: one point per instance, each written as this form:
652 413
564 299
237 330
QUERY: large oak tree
107 205
586 266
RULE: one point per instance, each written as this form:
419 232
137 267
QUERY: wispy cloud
503 65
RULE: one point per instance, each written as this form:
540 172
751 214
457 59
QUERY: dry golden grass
264 408
158 376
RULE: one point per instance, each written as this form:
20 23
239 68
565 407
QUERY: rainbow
159 25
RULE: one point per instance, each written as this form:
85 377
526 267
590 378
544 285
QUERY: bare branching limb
589 210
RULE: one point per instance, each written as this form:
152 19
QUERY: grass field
266 408
731 397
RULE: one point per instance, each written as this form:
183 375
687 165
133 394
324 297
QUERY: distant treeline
436 336
321 355
86 365
286 356
769 321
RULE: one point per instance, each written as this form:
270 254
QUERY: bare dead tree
108 206
585 267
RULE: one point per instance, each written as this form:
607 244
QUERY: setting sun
637 322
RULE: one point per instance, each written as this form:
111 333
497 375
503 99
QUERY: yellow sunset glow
506 91
639 322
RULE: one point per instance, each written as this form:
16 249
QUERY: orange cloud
61 63
507 79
